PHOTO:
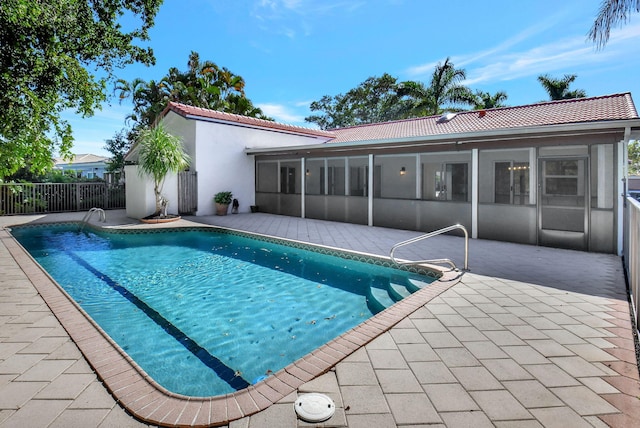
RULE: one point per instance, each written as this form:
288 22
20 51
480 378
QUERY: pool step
378 298
383 293
414 285
398 290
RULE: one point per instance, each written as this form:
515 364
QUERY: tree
204 84
444 88
149 100
633 154
611 13
484 100
374 100
381 99
118 146
558 89
418 99
47 49
444 93
160 153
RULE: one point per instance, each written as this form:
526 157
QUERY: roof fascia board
246 125
461 138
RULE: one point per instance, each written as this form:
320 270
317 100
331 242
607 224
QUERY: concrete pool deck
531 336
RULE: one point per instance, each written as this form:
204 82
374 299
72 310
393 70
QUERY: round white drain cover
314 407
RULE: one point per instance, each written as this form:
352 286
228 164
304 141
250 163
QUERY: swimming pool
206 312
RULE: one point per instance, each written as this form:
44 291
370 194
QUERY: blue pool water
207 313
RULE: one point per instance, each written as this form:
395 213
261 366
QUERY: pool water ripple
253 306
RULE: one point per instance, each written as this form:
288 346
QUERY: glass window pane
561 186
561 167
290 177
502 183
520 183
457 181
445 176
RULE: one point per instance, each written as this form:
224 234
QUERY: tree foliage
204 84
558 88
380 99
47 49
484 100
118 146
633 154
374 100
445 92
160 153
611 13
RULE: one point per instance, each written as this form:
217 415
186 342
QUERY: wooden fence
187 192
32 198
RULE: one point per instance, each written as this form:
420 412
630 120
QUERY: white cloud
293 17
281 114
565 54
90 133
622 34
505 62
422 69
305 104
462 60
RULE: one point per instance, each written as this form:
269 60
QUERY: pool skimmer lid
314 407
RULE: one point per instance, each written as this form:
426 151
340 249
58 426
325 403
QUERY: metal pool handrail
102 216
430 235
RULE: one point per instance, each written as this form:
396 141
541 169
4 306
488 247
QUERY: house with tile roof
551 173
85 165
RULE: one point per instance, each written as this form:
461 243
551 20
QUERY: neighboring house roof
235 119
579 110
81 159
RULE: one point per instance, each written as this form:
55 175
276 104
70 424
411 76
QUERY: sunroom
547 174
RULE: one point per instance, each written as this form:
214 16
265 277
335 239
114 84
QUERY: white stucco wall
219 158
217 155
139 193
140 198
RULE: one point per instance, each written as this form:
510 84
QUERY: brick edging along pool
146 400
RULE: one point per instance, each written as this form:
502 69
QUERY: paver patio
531 336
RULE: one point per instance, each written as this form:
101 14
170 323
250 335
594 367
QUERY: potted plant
160 153
222 200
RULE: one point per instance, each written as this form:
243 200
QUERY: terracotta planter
222 209
167 219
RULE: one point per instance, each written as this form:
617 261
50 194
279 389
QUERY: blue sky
292 52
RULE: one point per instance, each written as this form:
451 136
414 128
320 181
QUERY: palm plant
484 100
160 153
204 84
611 12
417 100
444 88
558 89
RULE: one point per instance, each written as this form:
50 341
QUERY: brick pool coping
148 401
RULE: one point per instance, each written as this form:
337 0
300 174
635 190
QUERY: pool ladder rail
102 216
434 261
